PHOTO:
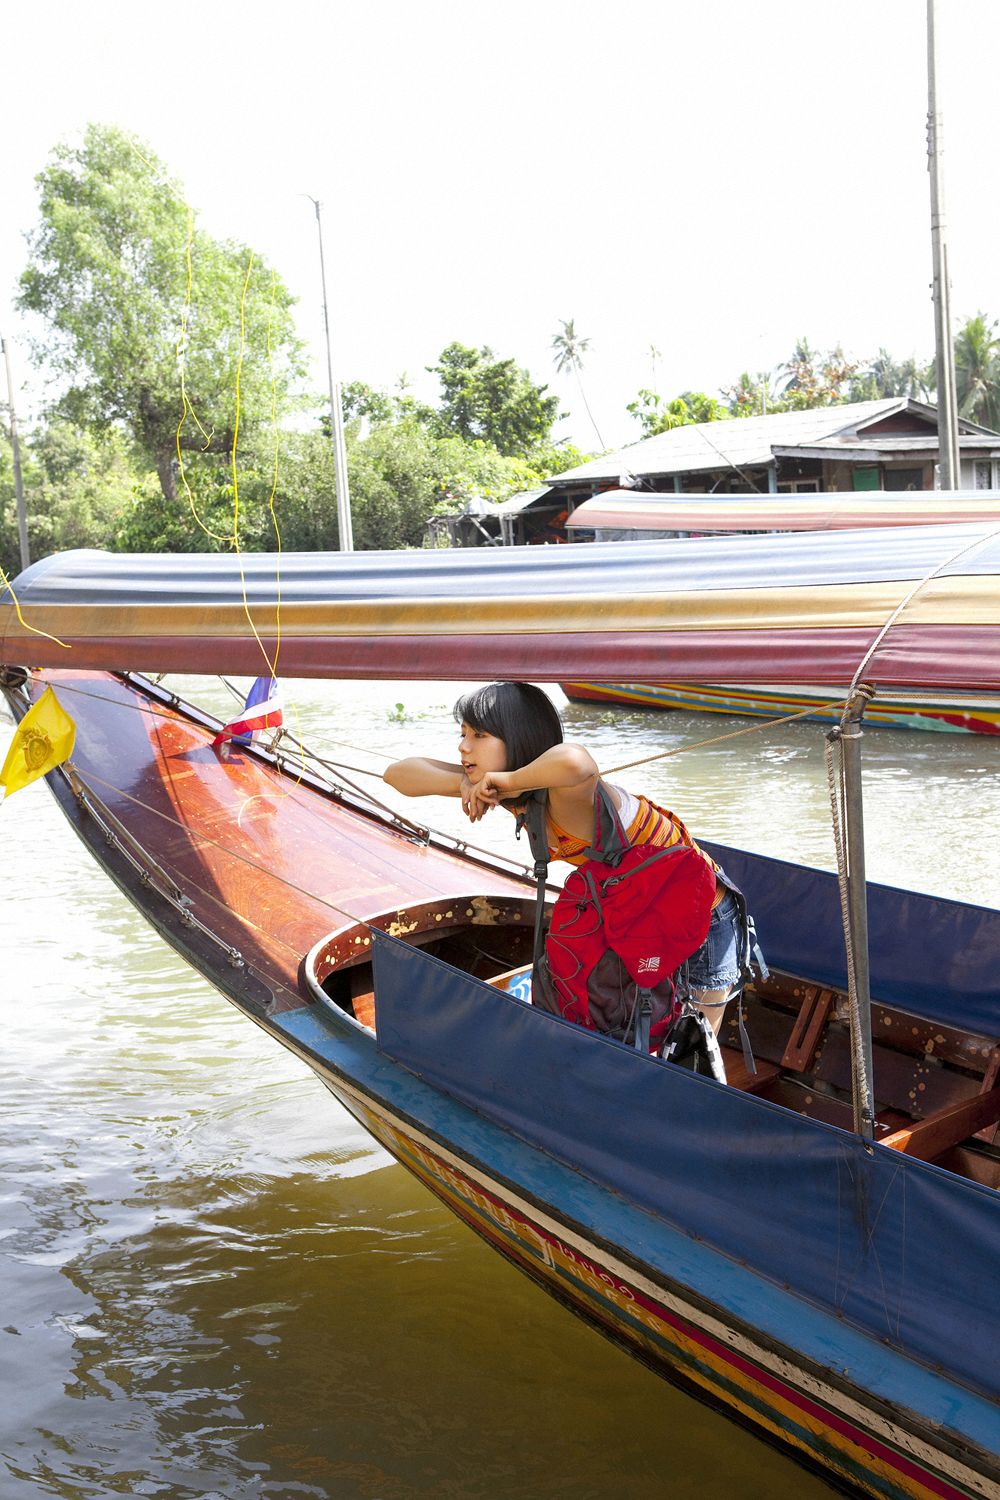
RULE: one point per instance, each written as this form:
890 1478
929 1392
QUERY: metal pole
344 529
22 519
861 1018
947 401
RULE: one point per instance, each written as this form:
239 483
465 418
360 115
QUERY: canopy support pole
861 1016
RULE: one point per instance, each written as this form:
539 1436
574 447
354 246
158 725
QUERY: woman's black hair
516 712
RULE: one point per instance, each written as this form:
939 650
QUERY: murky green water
214 1285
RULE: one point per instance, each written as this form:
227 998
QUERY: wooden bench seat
738 1075
931 1137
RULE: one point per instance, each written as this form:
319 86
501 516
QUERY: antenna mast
947 402
344 528
22 519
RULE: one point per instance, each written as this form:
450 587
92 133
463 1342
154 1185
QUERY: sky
707 180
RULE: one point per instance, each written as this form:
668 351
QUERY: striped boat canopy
627 510
777 608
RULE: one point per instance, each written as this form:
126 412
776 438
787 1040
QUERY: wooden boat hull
233 891
962 716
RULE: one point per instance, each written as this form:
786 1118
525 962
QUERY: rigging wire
717 739
200 840
425 831
909 597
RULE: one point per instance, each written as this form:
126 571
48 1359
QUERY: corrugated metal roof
516 503
628 510
744 442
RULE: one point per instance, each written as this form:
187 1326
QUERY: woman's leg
715 969
712 1004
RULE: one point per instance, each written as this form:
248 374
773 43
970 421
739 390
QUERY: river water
214 1285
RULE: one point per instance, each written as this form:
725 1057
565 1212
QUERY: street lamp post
344 529
22 519
947 401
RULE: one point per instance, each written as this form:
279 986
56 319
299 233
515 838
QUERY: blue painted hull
881 1424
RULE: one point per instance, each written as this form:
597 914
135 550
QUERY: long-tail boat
812 1248
628 513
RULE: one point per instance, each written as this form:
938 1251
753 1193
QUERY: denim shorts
716 965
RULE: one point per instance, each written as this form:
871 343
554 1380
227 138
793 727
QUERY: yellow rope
274 476
23 622
271 666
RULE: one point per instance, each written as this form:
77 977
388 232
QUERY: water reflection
215 1284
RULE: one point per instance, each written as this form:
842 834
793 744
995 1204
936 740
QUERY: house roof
750 442
514 504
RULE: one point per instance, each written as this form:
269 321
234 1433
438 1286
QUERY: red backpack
623 925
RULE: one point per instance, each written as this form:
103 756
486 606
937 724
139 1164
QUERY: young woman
511 744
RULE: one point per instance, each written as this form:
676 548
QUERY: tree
80 490
687 410
977 371
813 379
492 400
570 348
150 320
885 376
753 395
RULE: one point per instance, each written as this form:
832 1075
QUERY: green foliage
977 370
884 376
808 379
109 273
79 489
656 415
813 379
753 395
400 714
362 402
492 400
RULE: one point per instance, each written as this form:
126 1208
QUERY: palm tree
569 346
977 371
889 377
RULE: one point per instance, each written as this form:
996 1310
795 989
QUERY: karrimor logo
648 965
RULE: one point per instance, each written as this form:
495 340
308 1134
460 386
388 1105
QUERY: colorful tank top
645 823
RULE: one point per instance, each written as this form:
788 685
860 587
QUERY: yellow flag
43 740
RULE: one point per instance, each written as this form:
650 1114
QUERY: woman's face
480 752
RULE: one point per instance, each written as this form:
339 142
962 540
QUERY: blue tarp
936 959
901 1249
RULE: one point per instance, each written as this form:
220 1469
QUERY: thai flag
263 710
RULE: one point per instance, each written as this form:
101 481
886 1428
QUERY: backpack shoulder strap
610 833
532 819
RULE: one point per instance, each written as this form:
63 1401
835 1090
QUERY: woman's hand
465 791
491 788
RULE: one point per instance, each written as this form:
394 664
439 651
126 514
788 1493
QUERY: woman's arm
419 777
569 769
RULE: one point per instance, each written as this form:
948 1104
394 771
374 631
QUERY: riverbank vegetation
179 404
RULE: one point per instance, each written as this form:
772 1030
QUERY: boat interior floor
937 1090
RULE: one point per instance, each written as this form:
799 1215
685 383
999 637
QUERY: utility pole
947 401
336 412
22 519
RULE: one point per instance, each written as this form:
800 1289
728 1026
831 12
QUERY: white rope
838 818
